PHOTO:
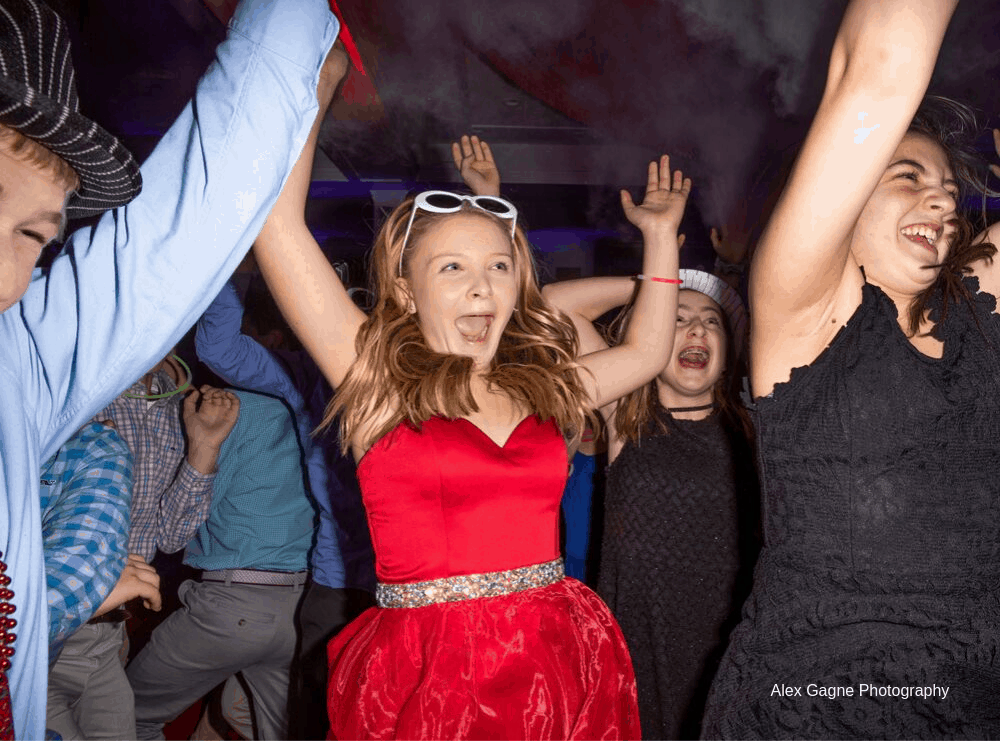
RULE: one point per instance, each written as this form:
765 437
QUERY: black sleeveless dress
680 537
875 610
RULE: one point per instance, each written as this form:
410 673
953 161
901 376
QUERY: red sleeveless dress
548 662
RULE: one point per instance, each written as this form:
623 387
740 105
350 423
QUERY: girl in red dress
462 399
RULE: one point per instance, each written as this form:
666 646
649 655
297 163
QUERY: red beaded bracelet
675 281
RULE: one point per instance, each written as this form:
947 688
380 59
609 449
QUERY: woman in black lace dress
681 499
874 611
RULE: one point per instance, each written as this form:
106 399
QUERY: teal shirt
261 517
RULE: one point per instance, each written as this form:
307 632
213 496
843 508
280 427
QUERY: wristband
654 279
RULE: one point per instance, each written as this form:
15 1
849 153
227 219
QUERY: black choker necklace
702 408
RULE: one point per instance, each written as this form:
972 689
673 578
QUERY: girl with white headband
680 502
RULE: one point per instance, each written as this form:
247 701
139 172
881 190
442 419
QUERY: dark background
574 95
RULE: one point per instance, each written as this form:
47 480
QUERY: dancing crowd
381 513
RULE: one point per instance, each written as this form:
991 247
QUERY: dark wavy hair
953 126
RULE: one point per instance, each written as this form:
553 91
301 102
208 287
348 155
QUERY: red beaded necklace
7 637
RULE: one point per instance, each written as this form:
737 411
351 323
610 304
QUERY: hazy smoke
722 85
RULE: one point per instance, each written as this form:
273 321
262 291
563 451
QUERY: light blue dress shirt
124 291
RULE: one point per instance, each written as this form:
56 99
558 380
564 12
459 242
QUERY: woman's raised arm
304 284
587 299
804 283
618 370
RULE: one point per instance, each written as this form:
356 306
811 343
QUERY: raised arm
303 282
127 288
474 162
586 300
209 417
239 359
618 370
804 279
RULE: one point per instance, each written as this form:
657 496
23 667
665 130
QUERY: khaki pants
220 630
89 695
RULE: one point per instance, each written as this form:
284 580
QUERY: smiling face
699 355
463 284
907 225
31 207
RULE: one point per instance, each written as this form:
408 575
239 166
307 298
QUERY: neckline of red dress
506 442
494 443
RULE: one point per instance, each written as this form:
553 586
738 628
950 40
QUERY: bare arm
648 342
302 281
585 300
804 280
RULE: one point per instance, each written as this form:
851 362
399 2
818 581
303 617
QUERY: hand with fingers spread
664 202
209 416
474 161
138 579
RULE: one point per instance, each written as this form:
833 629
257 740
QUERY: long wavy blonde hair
397 377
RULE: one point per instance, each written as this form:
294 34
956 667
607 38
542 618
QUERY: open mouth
693 357
926 235
474 327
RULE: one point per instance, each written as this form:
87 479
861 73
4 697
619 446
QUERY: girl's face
463 285
907 225
699 354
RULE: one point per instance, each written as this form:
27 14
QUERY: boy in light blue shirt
122 292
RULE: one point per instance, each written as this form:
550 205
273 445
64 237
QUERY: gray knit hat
725 296
38 99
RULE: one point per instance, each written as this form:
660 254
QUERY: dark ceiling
574 95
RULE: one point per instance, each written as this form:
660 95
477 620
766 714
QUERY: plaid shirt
170 499
86 493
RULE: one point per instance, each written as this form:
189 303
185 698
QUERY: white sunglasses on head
445 202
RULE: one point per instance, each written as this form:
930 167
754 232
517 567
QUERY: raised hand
138 579
474 161
664 202
209 416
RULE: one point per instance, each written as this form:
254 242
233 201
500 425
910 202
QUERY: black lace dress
875 610
678 548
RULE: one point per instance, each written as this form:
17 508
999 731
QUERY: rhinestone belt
469 586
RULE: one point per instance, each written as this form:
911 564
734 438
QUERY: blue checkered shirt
170 499
85 500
